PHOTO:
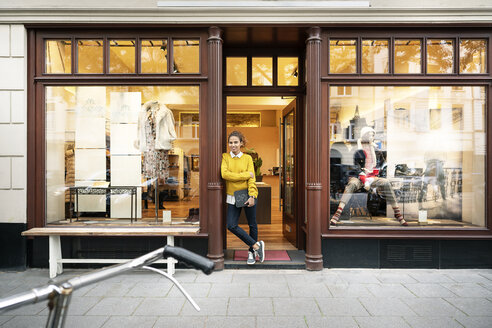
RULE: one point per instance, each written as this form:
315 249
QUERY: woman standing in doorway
238 172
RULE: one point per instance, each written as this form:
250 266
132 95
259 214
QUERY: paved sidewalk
269 298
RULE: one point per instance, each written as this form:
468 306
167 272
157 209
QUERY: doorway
268 124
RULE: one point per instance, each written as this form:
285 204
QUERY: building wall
13 132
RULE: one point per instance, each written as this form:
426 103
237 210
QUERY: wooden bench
55 251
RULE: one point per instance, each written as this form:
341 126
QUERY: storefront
382 130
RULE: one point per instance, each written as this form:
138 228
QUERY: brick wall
13 133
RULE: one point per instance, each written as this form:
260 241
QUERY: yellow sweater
235 171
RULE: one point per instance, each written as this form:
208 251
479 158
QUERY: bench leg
56 267
170 261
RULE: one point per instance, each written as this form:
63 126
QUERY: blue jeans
233 218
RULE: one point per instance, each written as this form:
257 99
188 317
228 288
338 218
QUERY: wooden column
314 258
214 138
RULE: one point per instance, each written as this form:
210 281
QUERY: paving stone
187 275
148 289
208 307
475 322
296 278
28 321
250 306
487 274
295 306
192 288
5 318
429 290
468 290
331 321
229 290
309 290
467 277
180 322
113 289
216 277
159 306
78 305
281 322
360 278
118 306
385 306
377 322
431 307
395 278
389 290
432 322
81 321
130 322
472 306
349 290
332 278
430 277
259 276
31 309
341 307
269 290
231 322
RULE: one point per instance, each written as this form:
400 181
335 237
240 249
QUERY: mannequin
155 136
368 168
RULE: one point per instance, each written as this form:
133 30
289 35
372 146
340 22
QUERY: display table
263 207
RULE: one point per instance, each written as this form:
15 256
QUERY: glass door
288 180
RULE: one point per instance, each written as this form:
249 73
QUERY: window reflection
90 56
262 71
58 54
473 55
237 71
122 56
154 56
407 56
375 56
103 142
343 56
288 71
429 145
440 56
186 56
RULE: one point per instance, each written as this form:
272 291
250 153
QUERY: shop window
262 71
153 56
440 56
112 160
186 55
58 56
343 56
408 57
122 56
473 56
375 57
288 71
418 151
344 91
236 71
90 56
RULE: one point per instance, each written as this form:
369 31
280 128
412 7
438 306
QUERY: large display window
122 154
407 156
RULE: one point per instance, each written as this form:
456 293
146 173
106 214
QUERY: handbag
241 197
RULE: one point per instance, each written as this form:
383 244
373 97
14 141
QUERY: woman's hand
250 202
251 174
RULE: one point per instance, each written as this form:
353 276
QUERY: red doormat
269 256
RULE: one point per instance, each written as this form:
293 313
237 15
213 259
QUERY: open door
287 173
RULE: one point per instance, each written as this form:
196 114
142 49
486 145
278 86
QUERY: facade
117 117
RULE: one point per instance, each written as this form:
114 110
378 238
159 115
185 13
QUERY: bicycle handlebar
42 293
197 261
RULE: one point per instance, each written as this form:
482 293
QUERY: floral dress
156 161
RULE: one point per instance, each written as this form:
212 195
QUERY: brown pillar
214 137
314 259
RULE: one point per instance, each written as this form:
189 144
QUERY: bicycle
59 294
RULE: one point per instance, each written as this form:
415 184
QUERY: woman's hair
239 135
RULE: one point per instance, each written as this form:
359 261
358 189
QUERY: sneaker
261 251
251 258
